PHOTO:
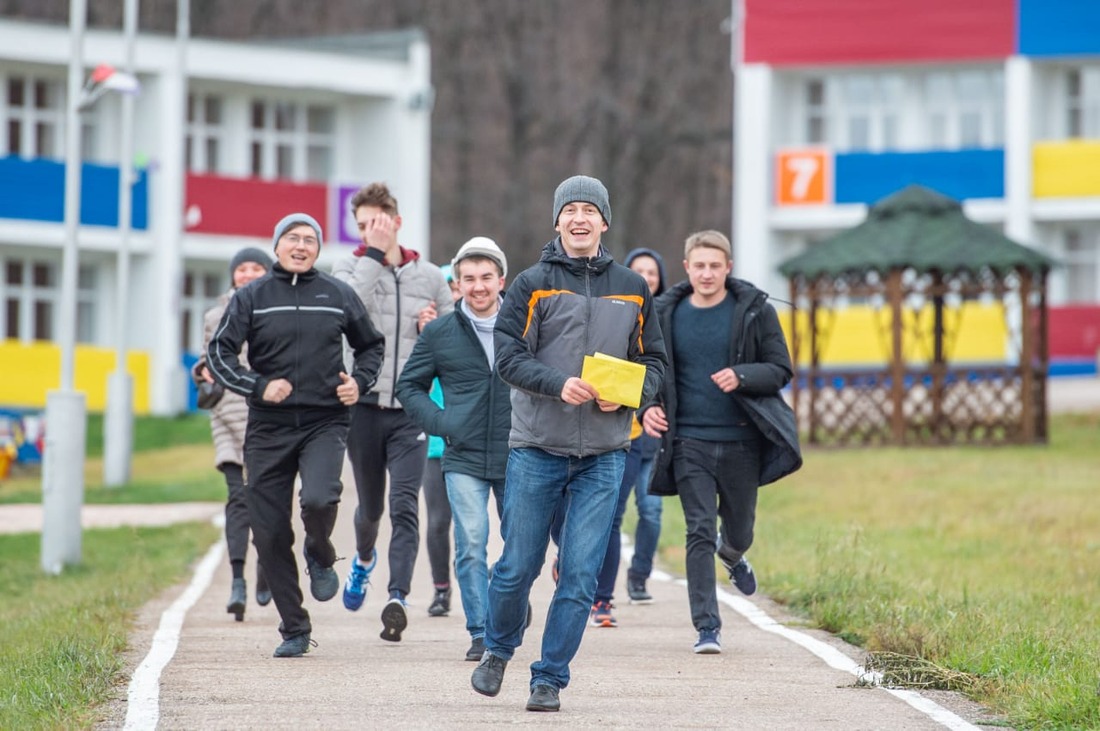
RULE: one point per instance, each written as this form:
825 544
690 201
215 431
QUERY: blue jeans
586 489
469 498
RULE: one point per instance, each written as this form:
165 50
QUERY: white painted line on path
833 658
143 696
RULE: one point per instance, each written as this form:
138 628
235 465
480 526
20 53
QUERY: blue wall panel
865 177
35 190
1059 27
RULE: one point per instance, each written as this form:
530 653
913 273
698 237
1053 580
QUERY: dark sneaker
323 582
489 674
709 642
477 649
601 615
635 588
543 698
295 646
395 619
743 577
441 603
263 591
238 598
355 588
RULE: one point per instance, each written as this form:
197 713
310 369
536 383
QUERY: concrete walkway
643 673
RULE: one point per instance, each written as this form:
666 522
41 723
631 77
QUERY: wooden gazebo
916 260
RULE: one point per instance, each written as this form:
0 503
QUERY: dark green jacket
477 414
759 357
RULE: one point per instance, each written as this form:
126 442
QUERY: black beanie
252 254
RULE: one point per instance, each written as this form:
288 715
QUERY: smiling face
707 269
480 282
246 272
298 248
580 225
647 267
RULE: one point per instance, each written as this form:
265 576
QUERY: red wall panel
792 32
249 206
1074 331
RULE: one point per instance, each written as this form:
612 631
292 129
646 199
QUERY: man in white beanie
458 349
567 445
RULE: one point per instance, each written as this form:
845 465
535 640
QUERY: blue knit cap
295 219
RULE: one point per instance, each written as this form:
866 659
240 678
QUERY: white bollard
62 480
118 429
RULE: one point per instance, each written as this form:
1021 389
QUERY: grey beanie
482 246
252 254
293 220
582 189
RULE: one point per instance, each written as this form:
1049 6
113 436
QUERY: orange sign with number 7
803 177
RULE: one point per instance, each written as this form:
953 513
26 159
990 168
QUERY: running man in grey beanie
567 444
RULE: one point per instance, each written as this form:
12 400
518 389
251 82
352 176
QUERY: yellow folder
616 380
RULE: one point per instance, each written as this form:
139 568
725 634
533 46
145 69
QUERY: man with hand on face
458 349
294 320
724 425
403 292
568 446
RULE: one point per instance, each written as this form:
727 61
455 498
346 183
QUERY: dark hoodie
644 445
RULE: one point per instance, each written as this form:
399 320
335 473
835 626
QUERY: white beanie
481 246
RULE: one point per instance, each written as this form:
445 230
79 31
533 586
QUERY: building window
86 281
33 116
1083 102
291 140
963 109
205 120
869 109
201 290
817 129
1082 259
30 294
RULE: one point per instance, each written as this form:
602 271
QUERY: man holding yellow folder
568 439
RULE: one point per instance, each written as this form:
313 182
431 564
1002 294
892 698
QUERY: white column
168 382
1019 224
752 259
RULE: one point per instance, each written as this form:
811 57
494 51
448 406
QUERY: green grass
153 432
173 461
983 563
64 636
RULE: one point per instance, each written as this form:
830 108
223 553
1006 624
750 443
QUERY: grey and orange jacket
555 313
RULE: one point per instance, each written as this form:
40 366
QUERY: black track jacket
293 326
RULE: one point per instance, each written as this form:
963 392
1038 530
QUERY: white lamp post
63 457
119 419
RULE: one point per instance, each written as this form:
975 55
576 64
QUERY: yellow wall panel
1066 169
29 371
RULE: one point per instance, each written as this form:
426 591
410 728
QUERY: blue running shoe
709 642
355 588
395 618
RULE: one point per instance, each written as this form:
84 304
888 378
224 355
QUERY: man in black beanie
568 446
294 322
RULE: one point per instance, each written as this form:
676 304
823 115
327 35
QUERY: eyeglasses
295 239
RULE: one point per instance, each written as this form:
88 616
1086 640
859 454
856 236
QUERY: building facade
228 138
841 102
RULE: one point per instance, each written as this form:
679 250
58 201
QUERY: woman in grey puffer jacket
228 418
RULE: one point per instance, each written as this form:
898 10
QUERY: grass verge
64 636
976 566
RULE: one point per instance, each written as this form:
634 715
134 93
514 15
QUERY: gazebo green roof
916 228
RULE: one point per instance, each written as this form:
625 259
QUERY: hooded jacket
230 415
394 296
759 357
644 445
293 325
555 313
